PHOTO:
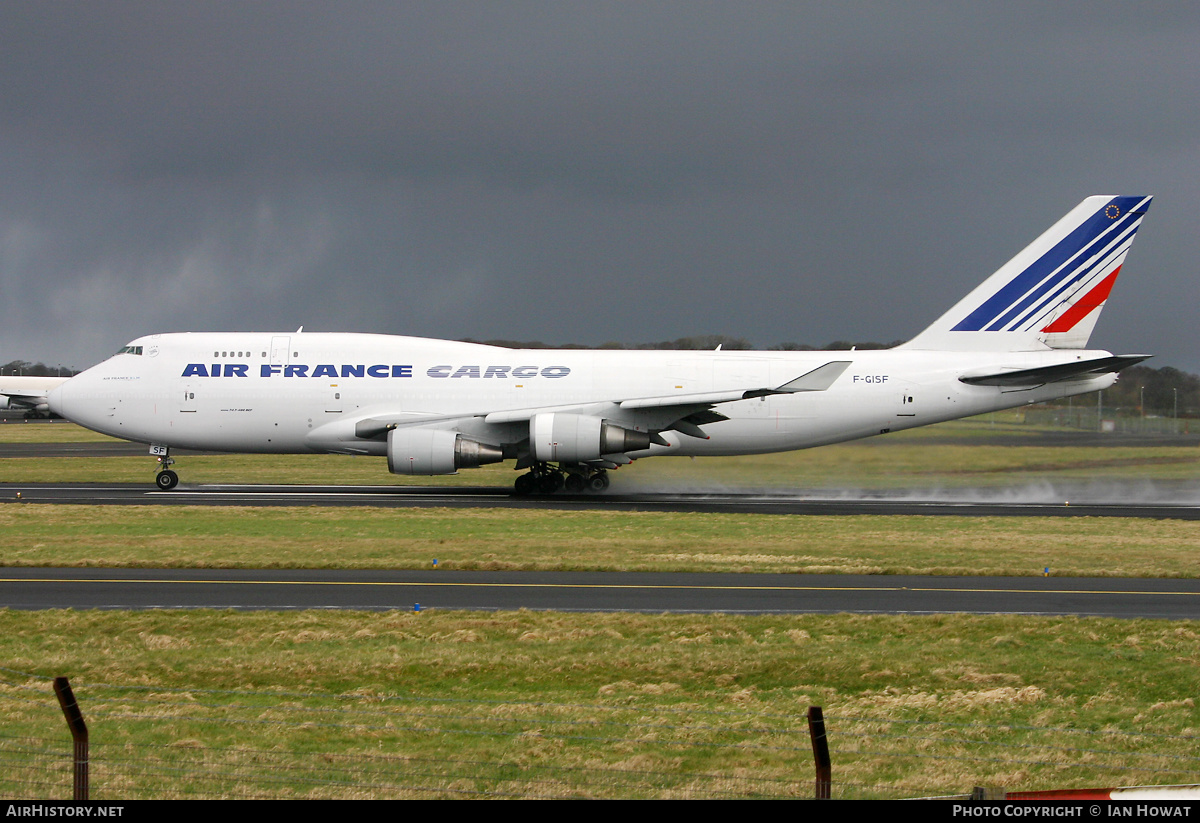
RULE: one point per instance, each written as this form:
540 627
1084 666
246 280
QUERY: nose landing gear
165 479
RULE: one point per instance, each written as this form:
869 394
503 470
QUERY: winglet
819 379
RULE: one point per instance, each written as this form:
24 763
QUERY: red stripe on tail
1089 303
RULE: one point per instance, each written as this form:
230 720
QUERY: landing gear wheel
549 483
525 485
166 480
574 483
598 482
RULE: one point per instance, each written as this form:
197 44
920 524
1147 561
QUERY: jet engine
575 438
7 402
436 451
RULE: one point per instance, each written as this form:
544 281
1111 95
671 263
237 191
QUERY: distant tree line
35 369
1163 392
702 342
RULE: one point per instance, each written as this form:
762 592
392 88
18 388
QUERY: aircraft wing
689 411
819 379
1079 370
23 394
27 392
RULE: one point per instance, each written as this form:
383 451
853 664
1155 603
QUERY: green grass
318 537
935 456
532 539
583 705
52 431
668 695
841 466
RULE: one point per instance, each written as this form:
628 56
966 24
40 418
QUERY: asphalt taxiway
46 588
615 591
908 503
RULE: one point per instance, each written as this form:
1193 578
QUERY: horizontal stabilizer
1079 370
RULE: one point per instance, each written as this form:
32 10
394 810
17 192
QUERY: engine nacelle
27 403
573 438
436 451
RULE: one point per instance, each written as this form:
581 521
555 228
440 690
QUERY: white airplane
28 393
435 406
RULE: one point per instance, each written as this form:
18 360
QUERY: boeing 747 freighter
568 417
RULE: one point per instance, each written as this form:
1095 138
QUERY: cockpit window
130 350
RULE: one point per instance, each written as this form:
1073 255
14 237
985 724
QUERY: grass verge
961 453
916 705
375 538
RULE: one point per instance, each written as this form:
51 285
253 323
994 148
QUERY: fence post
979 794
820 744
79 733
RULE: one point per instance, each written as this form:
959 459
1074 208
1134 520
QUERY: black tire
549 483
166 480
598 482
524 485
574 483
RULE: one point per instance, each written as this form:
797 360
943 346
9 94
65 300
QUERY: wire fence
242 744
1111 420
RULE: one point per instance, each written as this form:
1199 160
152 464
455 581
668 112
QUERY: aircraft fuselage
287 393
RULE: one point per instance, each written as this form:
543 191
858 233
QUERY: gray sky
578 172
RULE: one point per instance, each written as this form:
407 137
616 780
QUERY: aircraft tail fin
1050 295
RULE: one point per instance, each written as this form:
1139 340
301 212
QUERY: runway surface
143 589
953 502
47 588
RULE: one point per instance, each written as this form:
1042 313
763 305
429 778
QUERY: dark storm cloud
576 172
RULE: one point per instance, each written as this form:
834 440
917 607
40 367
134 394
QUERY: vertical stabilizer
1050 295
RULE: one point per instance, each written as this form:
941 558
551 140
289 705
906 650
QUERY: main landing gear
544 479
166 479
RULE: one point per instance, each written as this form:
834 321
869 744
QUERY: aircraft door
333 399
186 393
905 411
281 351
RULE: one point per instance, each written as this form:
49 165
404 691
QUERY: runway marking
698 500
682 587
490 497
